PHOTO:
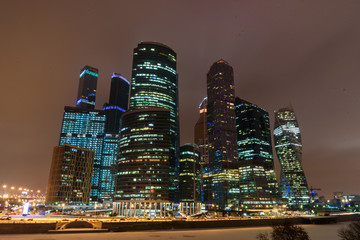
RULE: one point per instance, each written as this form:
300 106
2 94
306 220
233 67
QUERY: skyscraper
258 185
118 104
70 175
143 176
288 148
84 128
190 173
154 84
87 88
200 132
221 181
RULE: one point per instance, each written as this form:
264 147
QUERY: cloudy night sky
304 53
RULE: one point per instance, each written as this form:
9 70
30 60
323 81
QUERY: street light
63 208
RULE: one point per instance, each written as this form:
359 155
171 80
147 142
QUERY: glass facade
190 173
143 172
84 128
221 176
70 175
87 88
154 83
288 148
258 184
118 104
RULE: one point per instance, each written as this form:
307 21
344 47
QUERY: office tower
118 104
258 185
143 174
288 148
200 133
154 84
87 88
221 181
190 173
84 128
70 175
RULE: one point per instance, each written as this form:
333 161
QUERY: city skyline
279 57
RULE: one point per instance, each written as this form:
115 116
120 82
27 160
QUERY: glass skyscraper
200 133
221 178
154 83
84 128
258 185
288 148
190 173
87 88
118 104
145 151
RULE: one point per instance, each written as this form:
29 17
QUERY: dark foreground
316 232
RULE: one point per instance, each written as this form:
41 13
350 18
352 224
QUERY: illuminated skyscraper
200 133
221 181
84 128
70 175
258 185
118 104
87 88
288 148
154 83
190 173
143 174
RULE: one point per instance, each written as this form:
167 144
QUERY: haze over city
300 53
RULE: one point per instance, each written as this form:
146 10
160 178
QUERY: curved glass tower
288 148
145 150
154 84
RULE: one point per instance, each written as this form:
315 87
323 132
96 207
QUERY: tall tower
87 88
84 128
200 133
118 104
154 83
288 148
221 177
258 185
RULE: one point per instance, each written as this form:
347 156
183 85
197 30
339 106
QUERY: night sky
304 53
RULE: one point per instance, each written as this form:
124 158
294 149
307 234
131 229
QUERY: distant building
84 128
154 83
258 185
118 104
190 173
87 88
70 175
200 133
143 174
288 148
221 181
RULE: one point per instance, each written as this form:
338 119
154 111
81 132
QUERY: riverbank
118 225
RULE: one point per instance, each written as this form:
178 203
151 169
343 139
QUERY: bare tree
286 231
351 232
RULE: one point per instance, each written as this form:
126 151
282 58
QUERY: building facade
200 133
143 174
258 184
70 175
288 148
87 88
190 173
84 128
221 186
154 83
117 105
